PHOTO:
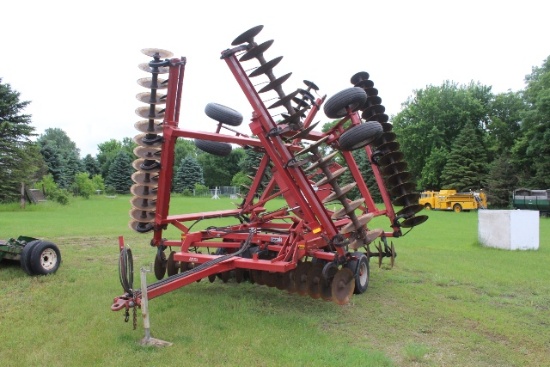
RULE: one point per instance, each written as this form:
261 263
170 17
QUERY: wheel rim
48 259
363 274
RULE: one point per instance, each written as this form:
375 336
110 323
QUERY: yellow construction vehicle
452 200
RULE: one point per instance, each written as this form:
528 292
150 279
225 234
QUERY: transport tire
427 207
457 208
214 147
337 105
360 135
45 258
223 114
363 272
26 257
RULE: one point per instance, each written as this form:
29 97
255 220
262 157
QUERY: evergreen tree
54 163
365 168
73 166
502 182
188 174
120 172
90 165
466 167
248 166
67 158
19 157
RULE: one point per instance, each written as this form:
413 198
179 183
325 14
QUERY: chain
134 316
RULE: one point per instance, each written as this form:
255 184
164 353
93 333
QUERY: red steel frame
308 228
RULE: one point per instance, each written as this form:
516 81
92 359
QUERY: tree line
463 137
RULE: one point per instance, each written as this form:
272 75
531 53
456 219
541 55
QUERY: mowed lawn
447 301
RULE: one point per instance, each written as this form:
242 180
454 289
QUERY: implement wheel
360 268
214 147
352 98
359 136
457 208
223 114
45 258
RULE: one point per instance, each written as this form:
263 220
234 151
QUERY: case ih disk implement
303 247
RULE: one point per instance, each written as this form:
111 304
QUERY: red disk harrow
303 247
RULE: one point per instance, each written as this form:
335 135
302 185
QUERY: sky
77 62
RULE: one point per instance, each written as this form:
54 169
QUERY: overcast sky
77 62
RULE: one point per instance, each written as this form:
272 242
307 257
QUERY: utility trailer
37 257
303 247
532 200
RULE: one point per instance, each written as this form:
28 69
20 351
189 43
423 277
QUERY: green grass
447 302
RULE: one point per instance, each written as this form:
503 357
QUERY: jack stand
148 340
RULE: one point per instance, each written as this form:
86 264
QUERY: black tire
223 114
26 257
214 147
361 270
337 105
45 258
457 208
361 135
427 206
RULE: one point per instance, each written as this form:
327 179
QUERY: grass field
447 302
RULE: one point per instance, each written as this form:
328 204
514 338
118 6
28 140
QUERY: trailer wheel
26 257
359 136
45 258
427 206
214 147
337 105
361 269
457 208
223 114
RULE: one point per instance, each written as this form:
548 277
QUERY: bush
61 196
52 191
47 185
83 185
201 190
187 192
98 182
110 191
